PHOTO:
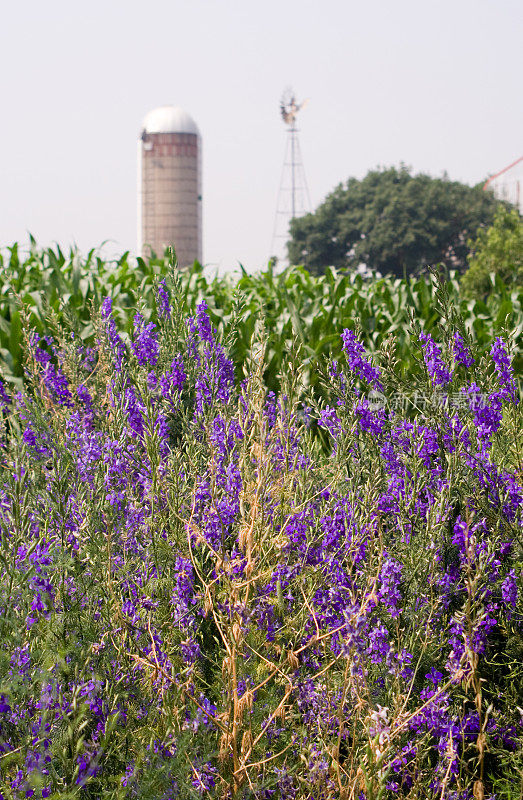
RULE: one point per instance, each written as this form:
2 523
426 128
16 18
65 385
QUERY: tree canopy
393 222
497 250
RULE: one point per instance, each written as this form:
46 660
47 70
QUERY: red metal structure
507 183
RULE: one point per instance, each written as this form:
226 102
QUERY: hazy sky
433 83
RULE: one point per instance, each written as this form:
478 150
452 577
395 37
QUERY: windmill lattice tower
293 195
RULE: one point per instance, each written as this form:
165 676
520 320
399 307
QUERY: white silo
169 185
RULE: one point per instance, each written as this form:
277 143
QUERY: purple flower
509 589
215 378
37 442
145 344
5 400
286 785
331 422
389 583
470 541
487 411
134 408
433 361
173 381
41 355
87 765
85 398
204 778
163 300
462 353
370 420
378 644
204 323
434 676
57 385
504 369
182 598
357 361
190 651
116 345
4 705
271 409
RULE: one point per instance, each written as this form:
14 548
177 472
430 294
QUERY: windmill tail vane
289 107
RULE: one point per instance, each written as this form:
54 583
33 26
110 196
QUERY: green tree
497 251
393 222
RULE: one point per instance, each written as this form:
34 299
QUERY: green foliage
199 600
296 304
497 253
393 222
316 309
50 283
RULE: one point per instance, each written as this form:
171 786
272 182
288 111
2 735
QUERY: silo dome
169 119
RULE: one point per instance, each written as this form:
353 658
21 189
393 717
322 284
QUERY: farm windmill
293 195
